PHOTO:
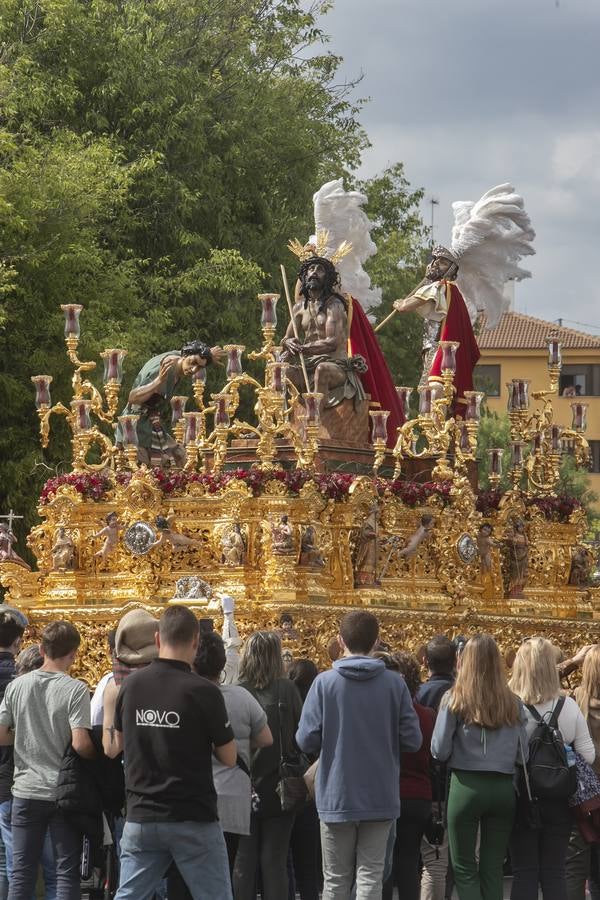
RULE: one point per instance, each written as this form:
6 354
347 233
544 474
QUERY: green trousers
479 804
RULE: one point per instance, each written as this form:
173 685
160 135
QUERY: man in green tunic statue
149 398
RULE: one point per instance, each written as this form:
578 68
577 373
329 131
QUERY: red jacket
415 779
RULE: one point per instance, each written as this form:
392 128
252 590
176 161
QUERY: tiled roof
517 331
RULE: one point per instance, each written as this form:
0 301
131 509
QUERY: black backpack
550 776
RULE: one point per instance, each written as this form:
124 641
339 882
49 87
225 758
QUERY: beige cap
134 641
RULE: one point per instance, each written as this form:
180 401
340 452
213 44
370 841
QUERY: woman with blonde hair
477 733
266 847
538 855
583 859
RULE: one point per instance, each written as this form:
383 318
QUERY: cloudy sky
472 93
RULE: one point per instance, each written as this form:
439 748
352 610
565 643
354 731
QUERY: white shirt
98 699
571 723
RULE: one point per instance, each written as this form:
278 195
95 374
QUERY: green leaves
154 159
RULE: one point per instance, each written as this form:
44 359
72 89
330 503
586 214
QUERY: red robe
457 327
378 380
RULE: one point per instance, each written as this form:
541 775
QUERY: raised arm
141 394
112 740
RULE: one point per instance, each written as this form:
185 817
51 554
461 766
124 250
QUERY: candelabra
536 429
268 323
433 430
86 400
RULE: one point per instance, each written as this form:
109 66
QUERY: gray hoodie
359 717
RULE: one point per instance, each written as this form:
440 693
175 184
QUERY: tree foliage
154 159
397 267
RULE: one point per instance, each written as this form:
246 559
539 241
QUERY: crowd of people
207 768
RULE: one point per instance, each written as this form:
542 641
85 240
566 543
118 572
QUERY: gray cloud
477 92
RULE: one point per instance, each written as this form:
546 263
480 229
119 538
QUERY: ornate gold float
361 528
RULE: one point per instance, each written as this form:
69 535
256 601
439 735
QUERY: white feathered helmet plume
489 239
343 235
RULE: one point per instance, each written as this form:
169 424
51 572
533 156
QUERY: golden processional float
303 505
281 516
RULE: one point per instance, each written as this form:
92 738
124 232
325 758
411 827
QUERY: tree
399 233
154 159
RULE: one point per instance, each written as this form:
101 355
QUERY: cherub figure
167 535
233 547
422 533
485 545
110 533
63 552
7 553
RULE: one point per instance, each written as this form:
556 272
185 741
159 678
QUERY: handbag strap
525 772
279 705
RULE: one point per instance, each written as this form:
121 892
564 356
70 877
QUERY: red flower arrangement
333 486
488 501
557 509
413 493
91 486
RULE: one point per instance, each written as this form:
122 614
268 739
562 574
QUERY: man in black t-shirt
168 722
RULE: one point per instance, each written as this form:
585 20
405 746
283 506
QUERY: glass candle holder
512 397
554 353
128 425
536 443
579 416
234 359
379 419
495 454
425 401
567 445
521 392
449 349
554 438
312 405
42 390
404 394
72 312
81 413
113 365
193 427
516 454
177 408
222 402
268 318
473 408
276 376
199 376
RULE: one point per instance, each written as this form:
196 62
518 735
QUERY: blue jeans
48 862
31 820
198 849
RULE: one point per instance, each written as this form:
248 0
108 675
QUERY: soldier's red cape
457 327
378 380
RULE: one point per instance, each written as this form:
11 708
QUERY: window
580 381
487 379
595 453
